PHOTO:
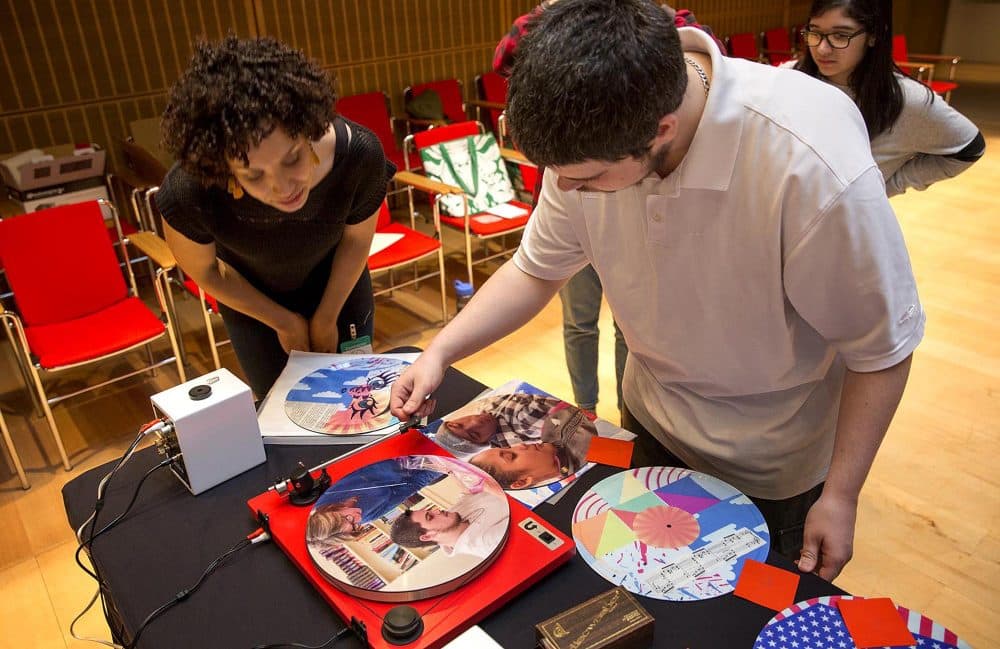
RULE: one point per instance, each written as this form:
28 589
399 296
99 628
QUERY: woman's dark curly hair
234 94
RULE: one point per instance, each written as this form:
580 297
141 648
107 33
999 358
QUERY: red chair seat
412 246
192 288
117 327
943 87
487 229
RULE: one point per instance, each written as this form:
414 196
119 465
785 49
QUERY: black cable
297 645
98 505
94 535
184 594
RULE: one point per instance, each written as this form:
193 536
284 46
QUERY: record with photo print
407 528
669 533
348 398
519 435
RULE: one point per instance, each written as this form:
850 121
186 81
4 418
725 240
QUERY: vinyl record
817 624
669 533
407 528
526 439
348 398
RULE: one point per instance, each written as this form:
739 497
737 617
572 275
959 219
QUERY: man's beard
657 159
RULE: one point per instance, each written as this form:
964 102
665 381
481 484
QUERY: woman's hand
323 334
294 333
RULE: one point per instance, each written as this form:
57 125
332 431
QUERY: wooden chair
477 227
917 64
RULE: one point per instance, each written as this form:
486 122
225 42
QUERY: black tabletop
258 596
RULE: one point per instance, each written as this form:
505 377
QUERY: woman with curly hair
271 205
916 138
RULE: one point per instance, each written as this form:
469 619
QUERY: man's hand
323 334
410 395
828 542
294 333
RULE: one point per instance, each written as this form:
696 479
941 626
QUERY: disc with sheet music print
347 398
407 528
669 533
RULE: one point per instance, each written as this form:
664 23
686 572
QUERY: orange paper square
875 622
613 452
766 585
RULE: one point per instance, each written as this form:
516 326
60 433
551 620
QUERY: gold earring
234 188
315 158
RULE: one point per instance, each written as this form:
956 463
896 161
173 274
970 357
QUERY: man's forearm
508 300
867 405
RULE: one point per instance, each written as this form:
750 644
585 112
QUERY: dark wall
74 70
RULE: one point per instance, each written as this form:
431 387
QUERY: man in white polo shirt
747 249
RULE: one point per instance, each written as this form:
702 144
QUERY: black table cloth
258 596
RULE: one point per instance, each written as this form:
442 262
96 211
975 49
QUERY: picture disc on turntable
407 528
348 398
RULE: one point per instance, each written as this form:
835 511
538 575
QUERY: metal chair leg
208 328
25 371
12 452
51 419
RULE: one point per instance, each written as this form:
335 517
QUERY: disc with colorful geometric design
669 533
348 398
817 624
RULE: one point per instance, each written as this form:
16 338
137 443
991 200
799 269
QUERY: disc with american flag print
817 624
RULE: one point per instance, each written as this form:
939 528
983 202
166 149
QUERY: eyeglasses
837 40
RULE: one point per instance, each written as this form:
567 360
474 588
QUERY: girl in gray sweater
916 137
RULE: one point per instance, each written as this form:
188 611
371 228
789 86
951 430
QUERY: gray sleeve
923 170
934 132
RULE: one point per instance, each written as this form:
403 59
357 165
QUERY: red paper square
612 452
875 622
766 585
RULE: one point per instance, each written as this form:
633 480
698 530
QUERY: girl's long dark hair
873 82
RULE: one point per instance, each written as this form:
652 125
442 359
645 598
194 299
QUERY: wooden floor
929 521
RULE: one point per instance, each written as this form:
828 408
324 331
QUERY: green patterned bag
474 164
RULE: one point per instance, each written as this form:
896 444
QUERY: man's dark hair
592 80
234 94
406 532
504 478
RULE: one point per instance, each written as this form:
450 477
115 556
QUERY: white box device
214 429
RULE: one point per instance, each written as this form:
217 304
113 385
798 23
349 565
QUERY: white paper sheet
507 211
277 428
383 240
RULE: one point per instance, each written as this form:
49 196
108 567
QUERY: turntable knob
402 625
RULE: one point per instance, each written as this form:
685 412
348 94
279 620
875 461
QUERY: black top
276 251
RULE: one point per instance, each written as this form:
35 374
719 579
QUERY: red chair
410 248
481 226
492 90
744 46
917 64
452 102
74 306
371 110
777 46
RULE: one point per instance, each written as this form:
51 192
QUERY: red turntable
404 522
